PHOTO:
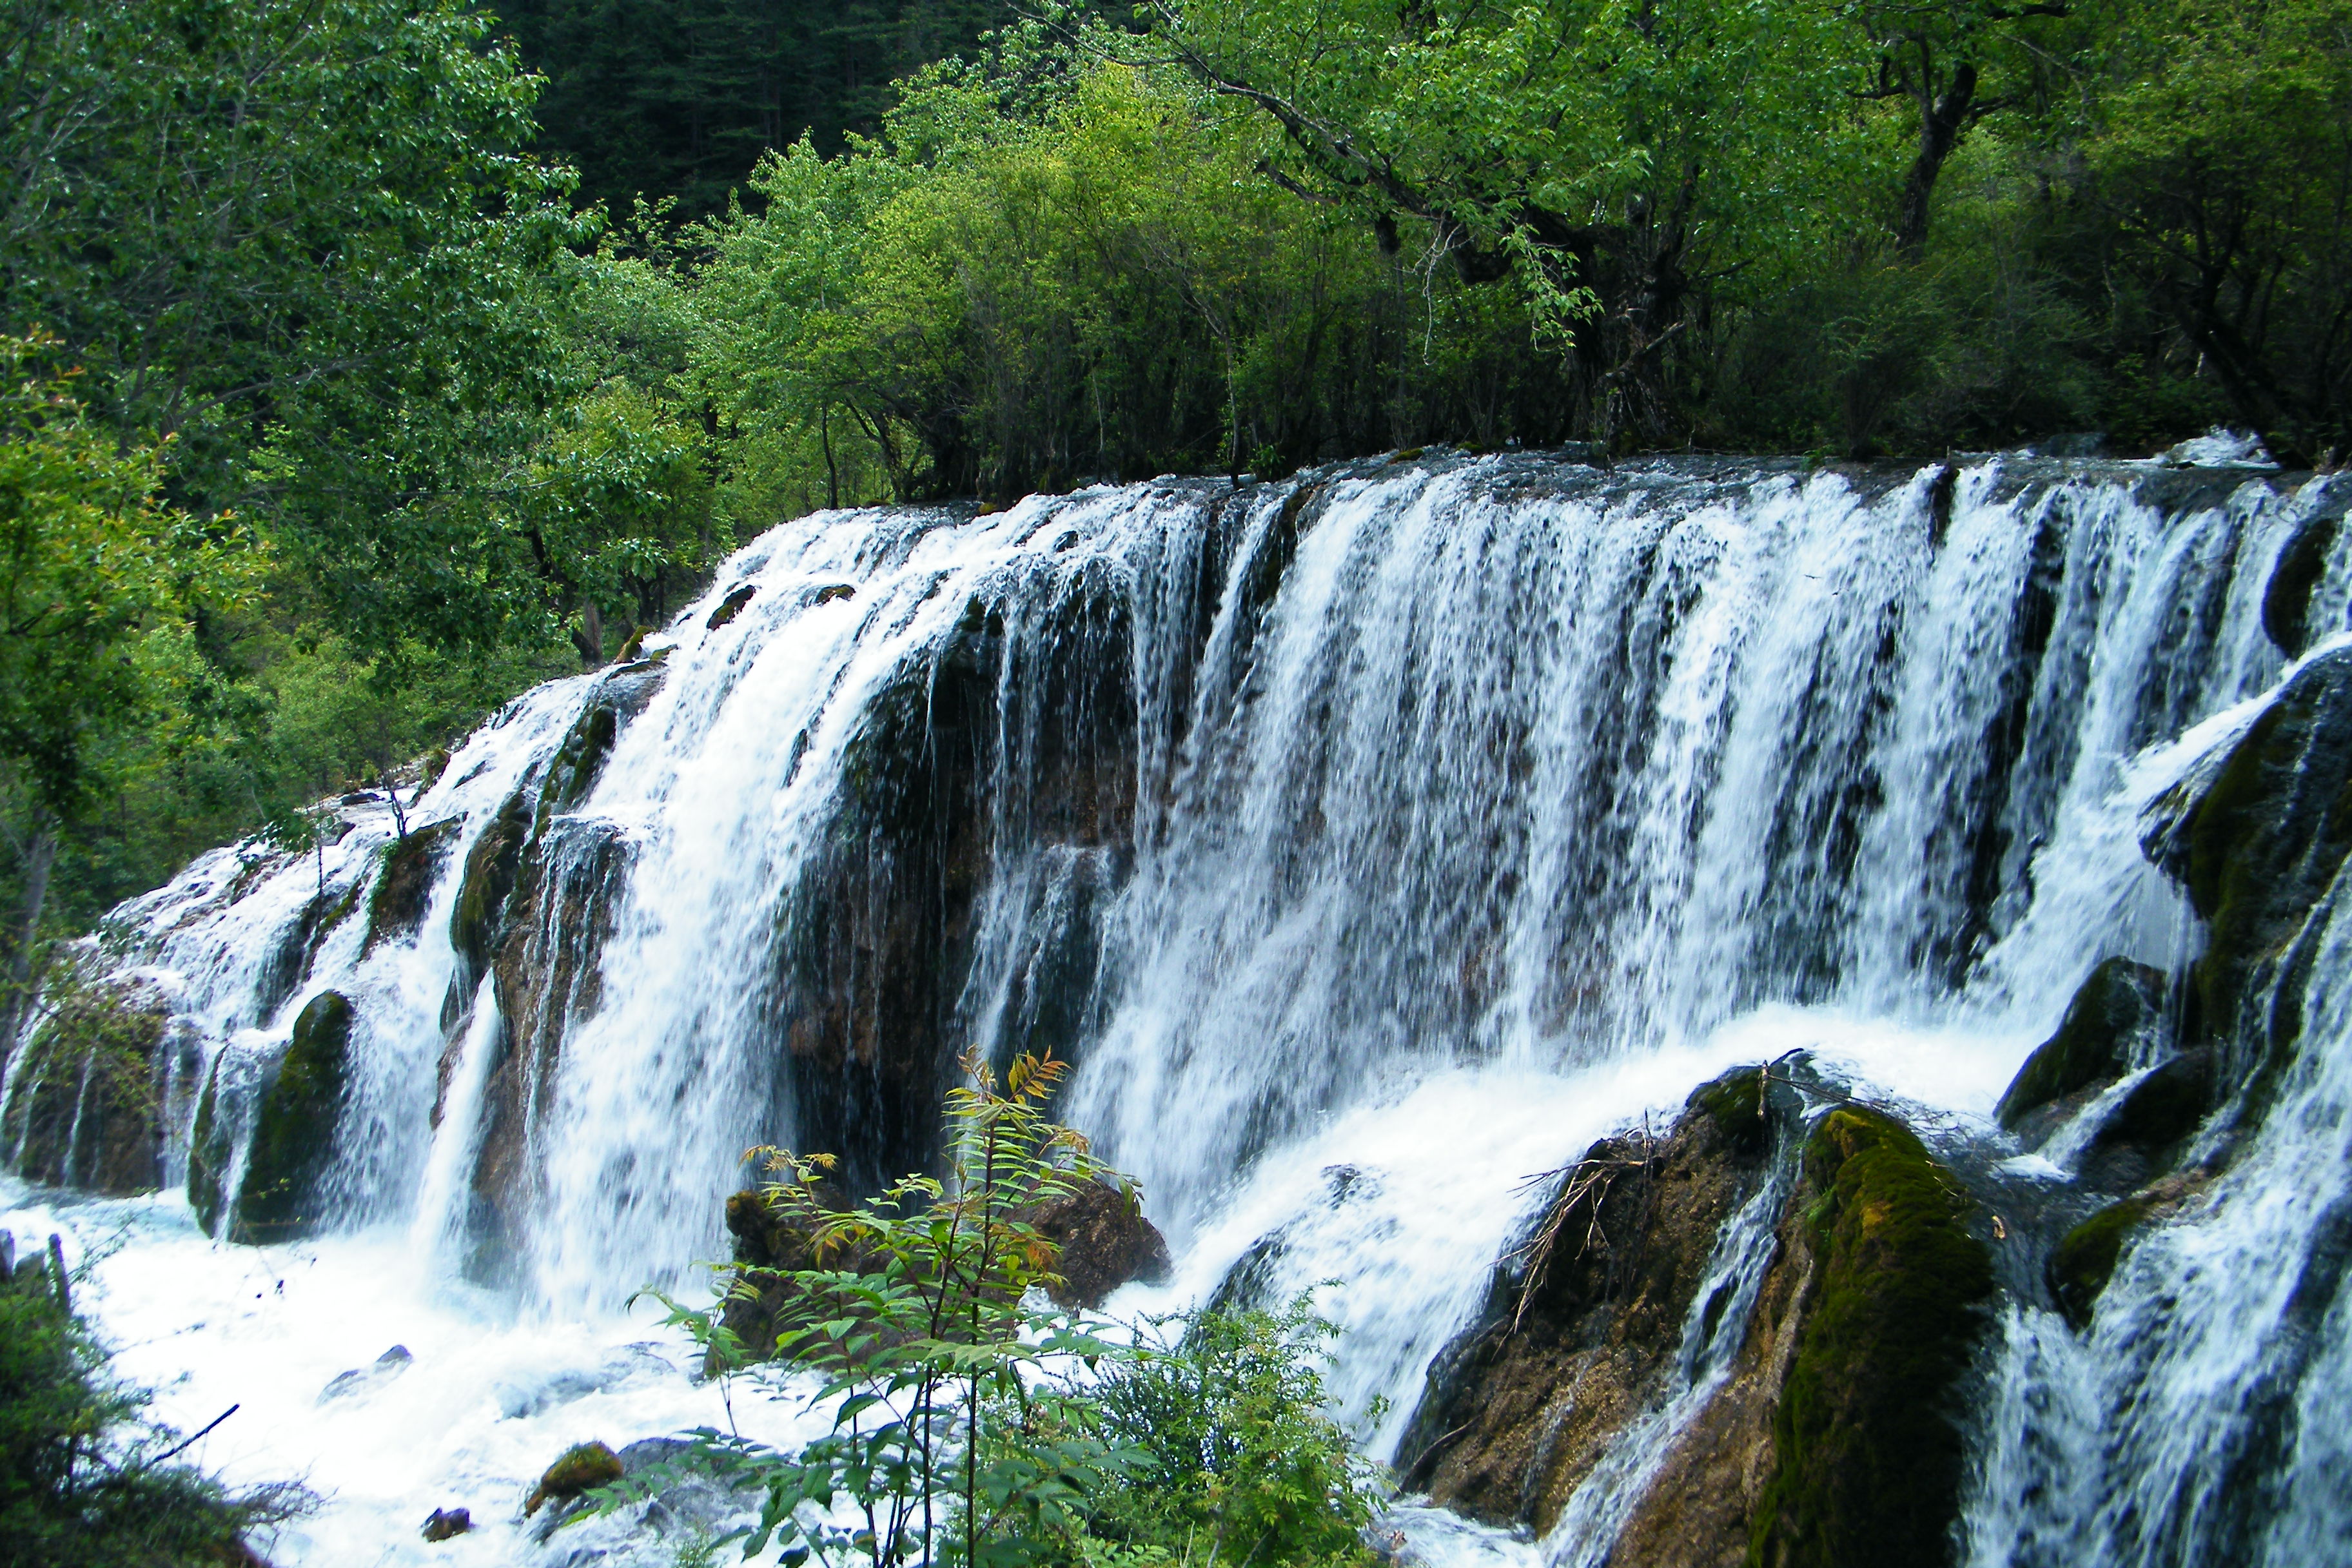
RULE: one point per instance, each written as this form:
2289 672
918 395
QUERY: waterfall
1372 841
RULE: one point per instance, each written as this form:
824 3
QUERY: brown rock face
1586 1338
1828 1442
1106 1242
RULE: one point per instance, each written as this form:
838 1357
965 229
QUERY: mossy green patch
577 763
582 1468
2118 1000
492 865
2085 1258
208 1156
294 1128
405 886
1735 1103
2264 841
1867 1459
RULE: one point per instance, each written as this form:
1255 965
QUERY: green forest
367 361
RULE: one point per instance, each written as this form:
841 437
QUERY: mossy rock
2154 1121
208 1156
2119 1001
403 888
2084 1259
492 865
2286 602
87 1111
1867 1458
294 1127
578 762
1735 1103
2264 842
582 1467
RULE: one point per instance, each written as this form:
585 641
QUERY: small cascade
1372 841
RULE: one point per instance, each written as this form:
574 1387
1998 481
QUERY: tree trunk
589 636
1942 120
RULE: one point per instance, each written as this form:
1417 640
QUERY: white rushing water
1371 847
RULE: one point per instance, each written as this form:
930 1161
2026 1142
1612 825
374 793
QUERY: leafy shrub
85 1475
974 1424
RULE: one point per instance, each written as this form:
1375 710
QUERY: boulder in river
582 1468
2118 1004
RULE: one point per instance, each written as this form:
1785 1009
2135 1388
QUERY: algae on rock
294 1125
2117 1004
1867 1459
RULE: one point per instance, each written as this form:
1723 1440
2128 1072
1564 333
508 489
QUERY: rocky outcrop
1866 1452
2084 1259
2258 842
294 1126
1102 1242
2120 1005
403 888
1584 1324
875 936
2286 601
532 912
87 1107
1831 1437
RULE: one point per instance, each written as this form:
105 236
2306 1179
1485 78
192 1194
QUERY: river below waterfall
1374 842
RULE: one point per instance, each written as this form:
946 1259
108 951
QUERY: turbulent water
1372 841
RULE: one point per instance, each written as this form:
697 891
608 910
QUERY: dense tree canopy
422 349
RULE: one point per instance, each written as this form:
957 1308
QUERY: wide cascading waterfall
1373 841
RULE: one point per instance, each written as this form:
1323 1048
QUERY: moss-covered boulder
577 762
492 865
294 1125
582 1468
403 888
2121 1002
2286 602
2263 841
1583 1328
2086 1257
1867 1461
209 1156
86 1107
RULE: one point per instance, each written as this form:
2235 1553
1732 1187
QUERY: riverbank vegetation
975 1420
371 358
85 1475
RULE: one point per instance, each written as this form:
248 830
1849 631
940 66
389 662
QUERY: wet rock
1583 1325
87 1106
387 1366
491 868
1867 1460
2147 1130
730 606
877 936
294 1126
209 1154
2286 601
448 1524
2120 1004
1105 1243
405 887
2084 1259
2258 843
582 1468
